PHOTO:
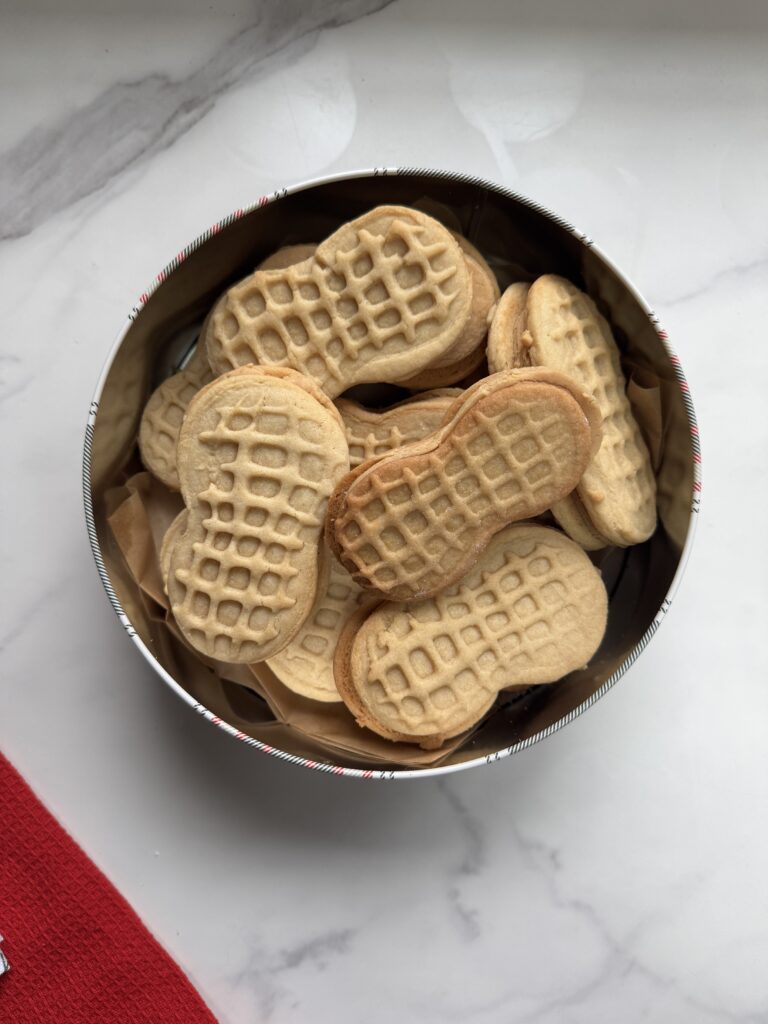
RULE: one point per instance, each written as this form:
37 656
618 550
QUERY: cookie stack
396 559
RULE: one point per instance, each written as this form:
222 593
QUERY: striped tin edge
392 774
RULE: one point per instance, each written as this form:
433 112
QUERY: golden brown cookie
573 518
483 300
474 253
305 666
163 415
169 540
532 609
446 376
505 349
384 296
411 523
564 331
374 432
259 452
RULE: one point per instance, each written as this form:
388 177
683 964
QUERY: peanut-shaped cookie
413 522
382 297
531 610
259 452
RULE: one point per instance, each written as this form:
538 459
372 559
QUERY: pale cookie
411 523
571 515
483 300
384 296
374 432
474 253
288 256
172 534
259 453
163 415
446 376
505 349
565 331
305 666
532 609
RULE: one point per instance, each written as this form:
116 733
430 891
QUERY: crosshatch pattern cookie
414 521
531 610
371 433
163 416
259 452
565 331
305 666
383 296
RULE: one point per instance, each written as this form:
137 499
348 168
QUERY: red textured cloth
78 953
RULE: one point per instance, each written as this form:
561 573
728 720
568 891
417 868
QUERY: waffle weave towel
78 953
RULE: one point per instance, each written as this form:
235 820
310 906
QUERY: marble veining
470 864
614 872
56 164
264 970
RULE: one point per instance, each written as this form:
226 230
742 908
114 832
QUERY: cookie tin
521 240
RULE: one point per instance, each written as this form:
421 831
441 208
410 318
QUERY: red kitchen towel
78 953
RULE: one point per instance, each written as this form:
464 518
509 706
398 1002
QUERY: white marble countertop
615 872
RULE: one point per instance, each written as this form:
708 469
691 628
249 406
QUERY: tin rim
405 773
